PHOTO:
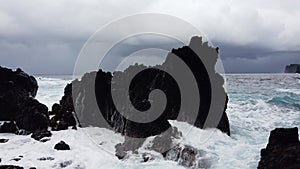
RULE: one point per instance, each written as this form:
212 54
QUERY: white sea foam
250 113
51 90
294 91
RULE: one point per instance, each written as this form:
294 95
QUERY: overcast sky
45 37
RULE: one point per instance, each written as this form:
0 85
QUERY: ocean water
258 103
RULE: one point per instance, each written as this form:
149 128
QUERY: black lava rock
63 112
39 134
95 106
33 116
15 87
2 140
62 146
17 103
8 127
184 155
46 159
282 151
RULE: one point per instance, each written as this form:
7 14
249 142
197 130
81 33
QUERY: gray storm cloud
45 37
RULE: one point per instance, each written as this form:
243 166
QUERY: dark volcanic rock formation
63 112
94 104
15 88
292 68
17 103
282 151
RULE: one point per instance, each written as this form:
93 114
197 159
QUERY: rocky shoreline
282 150
24 115
30 117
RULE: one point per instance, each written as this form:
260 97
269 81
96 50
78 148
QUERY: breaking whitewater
258 103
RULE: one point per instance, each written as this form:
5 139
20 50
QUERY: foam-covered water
51 88
257 104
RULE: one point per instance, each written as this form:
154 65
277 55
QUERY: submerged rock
164 142
3 140
16 159
10 167
65 164
130 144
46 159
188 157
282 151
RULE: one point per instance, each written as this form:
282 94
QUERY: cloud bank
45 37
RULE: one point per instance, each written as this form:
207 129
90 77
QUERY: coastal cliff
292 68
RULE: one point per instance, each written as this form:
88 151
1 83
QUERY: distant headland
292 68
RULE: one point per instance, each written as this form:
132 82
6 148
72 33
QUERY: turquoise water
258 103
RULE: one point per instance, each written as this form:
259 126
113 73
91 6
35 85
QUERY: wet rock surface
63 112
40 134
282 151
3 140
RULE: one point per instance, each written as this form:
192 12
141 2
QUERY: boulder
56 109
3 140
282 151
33 116
62 146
